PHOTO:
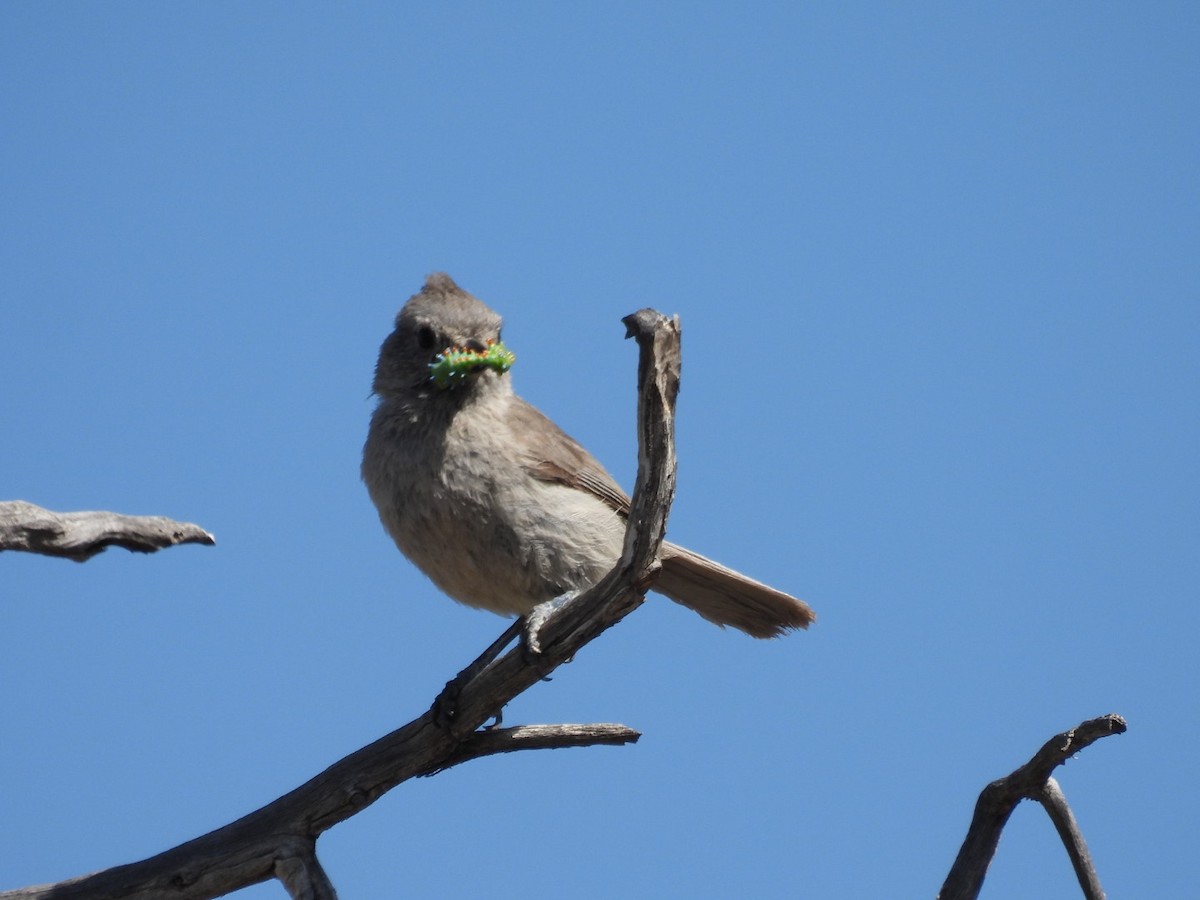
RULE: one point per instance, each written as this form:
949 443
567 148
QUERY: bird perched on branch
493 501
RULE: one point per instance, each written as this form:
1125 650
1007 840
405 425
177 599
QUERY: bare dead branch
1055 804
301 875
998 800
81 535
276 840
540 737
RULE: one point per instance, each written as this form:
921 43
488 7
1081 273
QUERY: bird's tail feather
726 597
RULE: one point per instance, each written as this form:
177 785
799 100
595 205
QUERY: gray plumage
495 503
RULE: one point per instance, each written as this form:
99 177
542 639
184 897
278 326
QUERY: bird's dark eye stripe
425 337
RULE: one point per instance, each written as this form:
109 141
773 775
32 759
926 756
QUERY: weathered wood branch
1055 803
278 840
1033 782
538 737
81 535
302 875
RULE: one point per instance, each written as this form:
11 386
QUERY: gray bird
493 501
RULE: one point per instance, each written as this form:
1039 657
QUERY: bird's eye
425 337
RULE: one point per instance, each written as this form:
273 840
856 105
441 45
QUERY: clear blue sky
938 272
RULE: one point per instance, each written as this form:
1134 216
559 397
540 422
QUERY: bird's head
445 340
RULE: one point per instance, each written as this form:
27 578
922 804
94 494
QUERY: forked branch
1033 782
279 840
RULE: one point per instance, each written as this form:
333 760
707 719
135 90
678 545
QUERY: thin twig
1055 803
540 737
301 874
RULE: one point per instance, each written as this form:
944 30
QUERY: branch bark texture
81 535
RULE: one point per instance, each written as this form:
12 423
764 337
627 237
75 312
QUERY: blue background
938 276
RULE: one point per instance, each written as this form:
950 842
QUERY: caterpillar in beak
454 364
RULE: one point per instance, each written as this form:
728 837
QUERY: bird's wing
550 454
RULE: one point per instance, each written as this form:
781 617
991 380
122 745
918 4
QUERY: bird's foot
534 620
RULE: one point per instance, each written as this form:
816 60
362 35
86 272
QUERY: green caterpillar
454 364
